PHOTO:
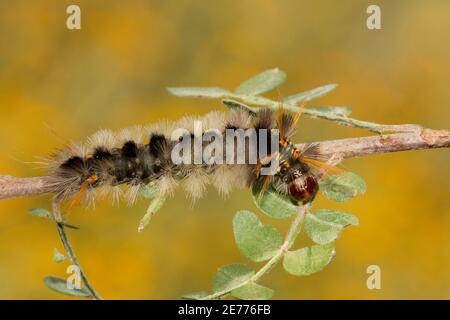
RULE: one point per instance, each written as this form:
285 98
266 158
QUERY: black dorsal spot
157 145
231 127
101 153
129 149
145 174
157 168
265 119
186 135
74 162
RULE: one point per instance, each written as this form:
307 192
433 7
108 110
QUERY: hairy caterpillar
136 156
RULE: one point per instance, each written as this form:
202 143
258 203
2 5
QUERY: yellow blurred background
113 72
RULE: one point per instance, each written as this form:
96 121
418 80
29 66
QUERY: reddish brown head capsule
304 193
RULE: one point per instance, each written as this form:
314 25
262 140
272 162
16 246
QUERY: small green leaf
58 256
324 226
274 204
231 276
149 191
337 111
41 213
199 92
255 241
309 260
262 82
232 104
252 291
154 206
195 295
60 285
310 94
342 187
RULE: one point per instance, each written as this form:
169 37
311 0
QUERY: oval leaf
154 206
149 191
274 204
262 82
199 92
231 276
60 285
308 260
342 187
255 241
58 256
324 226
252 291
310 94
41 213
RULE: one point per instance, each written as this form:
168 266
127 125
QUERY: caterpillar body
136 156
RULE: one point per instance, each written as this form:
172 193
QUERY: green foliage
40 213
249 93
44 213
309 260
150 191
58 256
255 241
259 243
325 226
232 104
231 276
60 285
262 82
342 187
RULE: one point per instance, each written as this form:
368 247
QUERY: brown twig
11 187
357 147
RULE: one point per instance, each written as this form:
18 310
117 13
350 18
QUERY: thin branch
357 147
12 187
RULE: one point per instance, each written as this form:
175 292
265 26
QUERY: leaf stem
339 119
70 251
291 235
